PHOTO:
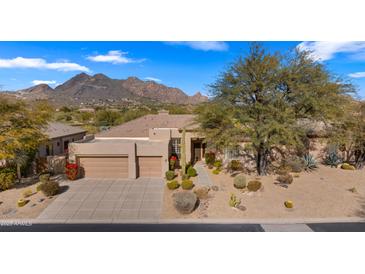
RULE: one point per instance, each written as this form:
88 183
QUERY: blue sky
190 66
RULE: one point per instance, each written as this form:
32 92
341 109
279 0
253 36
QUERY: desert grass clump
50 188
254 185
216 171
27 193
285 179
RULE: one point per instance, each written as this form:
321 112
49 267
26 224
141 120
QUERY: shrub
7 179
173 185
216 171
217 164
185 202
191 171
235 165
50 188
185 177
239 181
295 164
254 185
38 187
187 184
347 166
170 175
44 177
22 202
285 179
234 201
209 158
71 171
28 192
309 162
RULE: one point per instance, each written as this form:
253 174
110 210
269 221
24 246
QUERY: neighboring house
138 148
60 136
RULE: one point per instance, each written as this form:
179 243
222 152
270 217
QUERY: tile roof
139 127
56 130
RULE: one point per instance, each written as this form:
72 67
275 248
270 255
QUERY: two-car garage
117 166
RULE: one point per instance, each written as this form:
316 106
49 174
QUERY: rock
215 188
33 205
40 200
185 202
201 192
241 207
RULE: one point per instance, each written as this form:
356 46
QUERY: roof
56 130
140 127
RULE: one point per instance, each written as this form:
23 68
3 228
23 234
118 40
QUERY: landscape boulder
201 192
185 202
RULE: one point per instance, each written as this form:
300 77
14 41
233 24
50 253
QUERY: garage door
104 167
149 166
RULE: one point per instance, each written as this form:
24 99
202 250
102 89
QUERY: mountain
84 89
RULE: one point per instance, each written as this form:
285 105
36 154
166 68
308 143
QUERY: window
176 146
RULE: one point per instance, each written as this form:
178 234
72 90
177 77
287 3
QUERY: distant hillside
84 89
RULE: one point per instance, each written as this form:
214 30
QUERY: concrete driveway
107 201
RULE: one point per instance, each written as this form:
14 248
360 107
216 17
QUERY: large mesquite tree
261 98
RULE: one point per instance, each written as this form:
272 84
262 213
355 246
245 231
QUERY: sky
190 66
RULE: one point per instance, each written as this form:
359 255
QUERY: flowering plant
173 160
71 171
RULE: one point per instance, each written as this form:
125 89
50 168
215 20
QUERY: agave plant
309 162
332 159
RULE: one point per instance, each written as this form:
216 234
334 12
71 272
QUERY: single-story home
60 136
138 148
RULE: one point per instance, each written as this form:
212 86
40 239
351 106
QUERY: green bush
185 177
191 171
50 188
187 184
44 177
7 180
217 164
254 185
285 178
170 175
216 171
235 165
173 185
209 158
239 181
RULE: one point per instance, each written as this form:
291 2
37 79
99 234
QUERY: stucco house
138 148
60 136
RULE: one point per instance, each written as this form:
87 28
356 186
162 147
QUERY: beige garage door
104 167
149 166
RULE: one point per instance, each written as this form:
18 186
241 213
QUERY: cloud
47 82
39 63
360 74
322 51
153 79
204 46
114 57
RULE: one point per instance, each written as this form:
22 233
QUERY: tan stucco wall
59 149
123 147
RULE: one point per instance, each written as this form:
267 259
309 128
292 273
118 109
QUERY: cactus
332 158
239 181
234 201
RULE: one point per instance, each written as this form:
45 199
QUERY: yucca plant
309 162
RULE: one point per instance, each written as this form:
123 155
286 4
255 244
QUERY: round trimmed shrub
191 171
185 177
50 188
235 165
173 185
217 164
254 185
170 175
209 158
285 179
239 181
216 171
187 184
44 177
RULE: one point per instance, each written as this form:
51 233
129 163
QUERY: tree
262 97
21 130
